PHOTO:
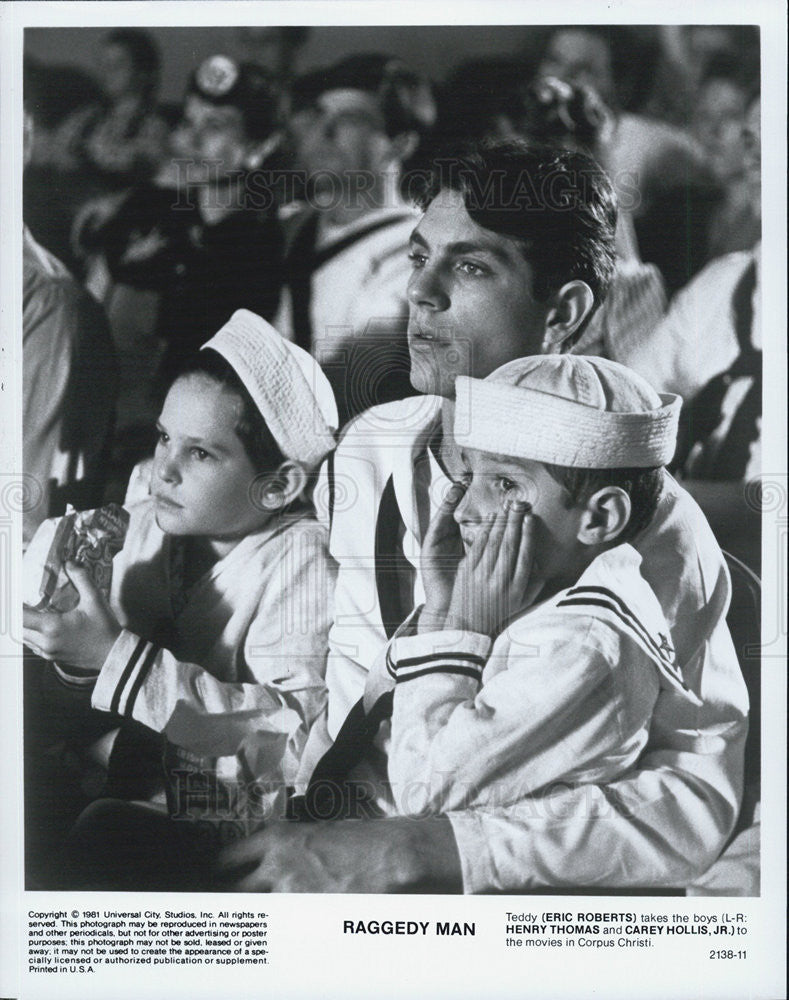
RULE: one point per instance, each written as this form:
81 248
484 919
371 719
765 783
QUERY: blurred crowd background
177 174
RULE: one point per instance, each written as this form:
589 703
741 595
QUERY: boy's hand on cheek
494 582
442 551
82 637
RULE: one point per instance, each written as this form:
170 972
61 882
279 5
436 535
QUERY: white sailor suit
564 694
663 822
231 671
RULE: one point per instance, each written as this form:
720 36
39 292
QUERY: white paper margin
310 955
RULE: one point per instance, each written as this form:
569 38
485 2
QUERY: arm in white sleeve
660 825
283 654
185 702
573 706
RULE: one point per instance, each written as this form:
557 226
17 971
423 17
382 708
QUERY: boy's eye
417 259
506 485
200 454
162 437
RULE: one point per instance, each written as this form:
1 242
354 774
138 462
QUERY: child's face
495 480
202 476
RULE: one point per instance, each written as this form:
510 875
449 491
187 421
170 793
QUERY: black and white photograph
393 507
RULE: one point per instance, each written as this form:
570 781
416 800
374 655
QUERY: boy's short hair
558 205
259 443
222 81
643 486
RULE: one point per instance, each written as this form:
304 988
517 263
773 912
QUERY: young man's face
492 481
470 300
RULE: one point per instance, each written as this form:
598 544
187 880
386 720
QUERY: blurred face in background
752 151
705 41
213 137
579 56
340 135
718 122
118 74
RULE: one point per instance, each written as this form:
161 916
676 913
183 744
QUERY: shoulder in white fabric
612 588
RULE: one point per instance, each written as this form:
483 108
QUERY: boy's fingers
32 619
479 546
82 580
511 541
453 496
524 553
495 536
443 523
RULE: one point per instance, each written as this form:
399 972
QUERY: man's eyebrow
417 237
481 246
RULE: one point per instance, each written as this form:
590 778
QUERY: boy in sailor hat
539 653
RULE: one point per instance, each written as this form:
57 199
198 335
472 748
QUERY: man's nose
426 288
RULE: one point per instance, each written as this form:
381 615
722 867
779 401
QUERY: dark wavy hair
558 205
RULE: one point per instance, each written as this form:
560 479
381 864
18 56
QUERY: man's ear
568 308
605 516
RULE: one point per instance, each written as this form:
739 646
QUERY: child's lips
166 501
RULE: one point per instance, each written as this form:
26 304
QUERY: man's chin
427 380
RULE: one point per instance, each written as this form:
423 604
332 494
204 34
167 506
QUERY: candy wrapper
90 538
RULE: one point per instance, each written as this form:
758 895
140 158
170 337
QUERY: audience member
353 126
574 117
538 655
128 140
717 123
709 349
61 102
654 166
69 381
210 245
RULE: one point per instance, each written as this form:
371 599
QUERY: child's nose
167 467
465 508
